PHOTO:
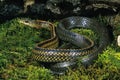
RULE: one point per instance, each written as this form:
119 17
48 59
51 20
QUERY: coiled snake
62 58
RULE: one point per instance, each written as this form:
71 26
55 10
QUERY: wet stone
118 40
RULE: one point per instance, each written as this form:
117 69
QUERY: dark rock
9 11
53 9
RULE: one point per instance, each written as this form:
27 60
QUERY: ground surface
17 41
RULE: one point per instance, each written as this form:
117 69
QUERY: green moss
17 41
88 33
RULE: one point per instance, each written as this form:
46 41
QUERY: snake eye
26 21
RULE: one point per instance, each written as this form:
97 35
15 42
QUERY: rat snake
60 59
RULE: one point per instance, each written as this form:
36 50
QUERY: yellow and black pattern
59 55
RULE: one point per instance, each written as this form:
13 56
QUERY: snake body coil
45 51
83 22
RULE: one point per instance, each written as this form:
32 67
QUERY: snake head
35 23
28 22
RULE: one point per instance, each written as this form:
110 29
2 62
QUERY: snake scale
47 51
